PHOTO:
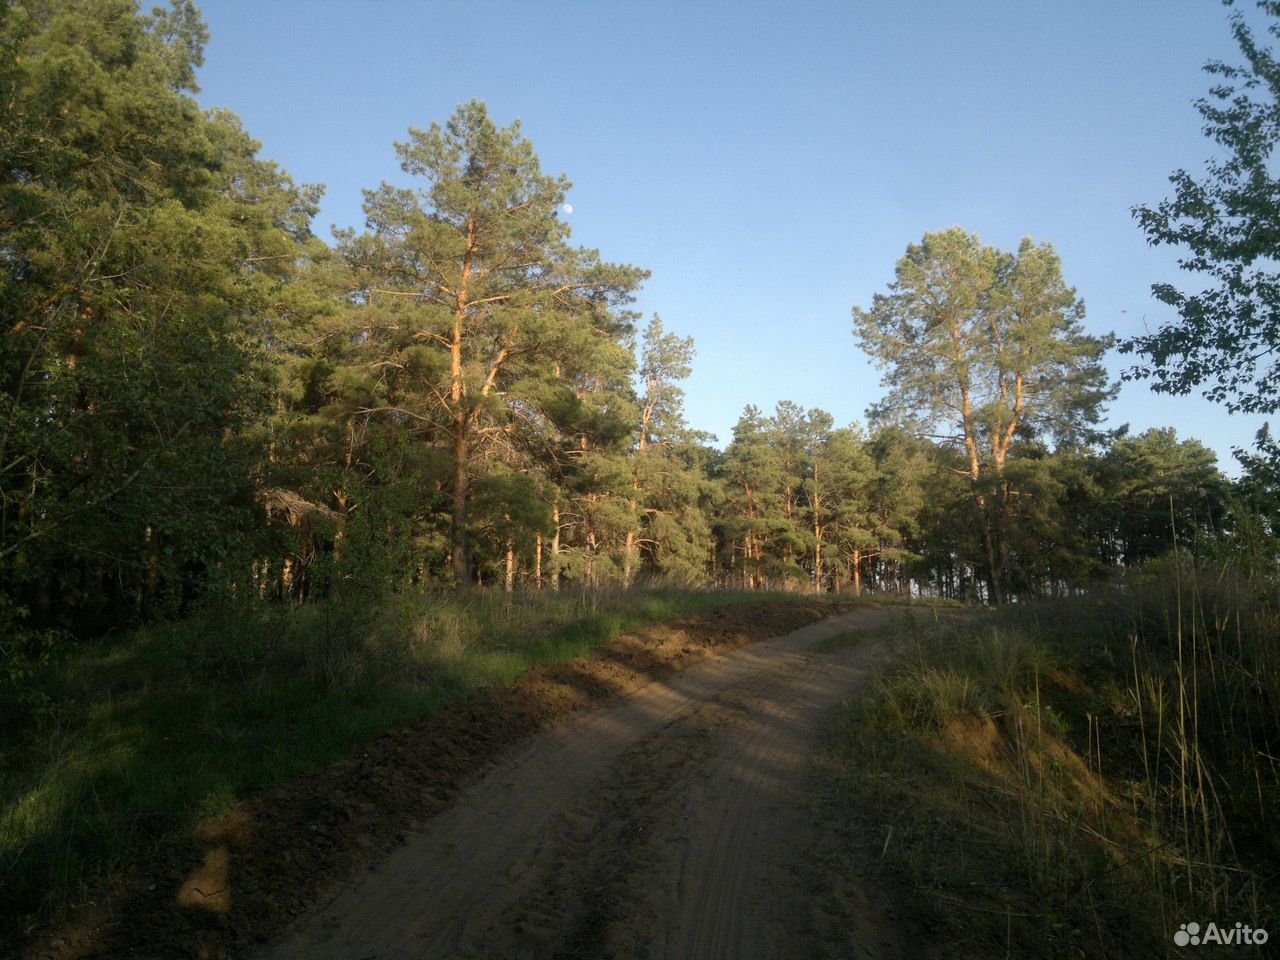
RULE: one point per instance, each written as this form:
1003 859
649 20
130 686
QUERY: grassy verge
1075 779
148 733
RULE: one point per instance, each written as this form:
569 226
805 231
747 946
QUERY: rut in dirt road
668 824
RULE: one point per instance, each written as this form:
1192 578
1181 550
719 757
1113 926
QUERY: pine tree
751 472
762 525
597 479
668 526
982 349
475 268
793 437
837 489
1162 491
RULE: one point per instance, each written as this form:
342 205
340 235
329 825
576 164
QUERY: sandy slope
671 823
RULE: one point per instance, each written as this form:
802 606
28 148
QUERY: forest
202 395
209 406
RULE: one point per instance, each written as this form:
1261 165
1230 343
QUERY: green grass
1077 778
148 733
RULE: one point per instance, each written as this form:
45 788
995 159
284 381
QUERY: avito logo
1189 934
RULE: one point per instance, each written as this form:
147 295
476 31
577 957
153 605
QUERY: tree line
200 395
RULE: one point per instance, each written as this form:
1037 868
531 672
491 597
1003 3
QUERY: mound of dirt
240 878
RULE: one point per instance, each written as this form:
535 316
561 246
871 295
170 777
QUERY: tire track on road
684 789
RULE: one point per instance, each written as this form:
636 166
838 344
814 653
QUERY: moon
567 208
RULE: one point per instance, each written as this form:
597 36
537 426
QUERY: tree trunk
993 564
537 560
857 573
555 547
817 533
511 566
340 495
461 424
592 549
817 540
458 529
153 565
628 559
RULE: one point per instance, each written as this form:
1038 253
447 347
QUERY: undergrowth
1077 778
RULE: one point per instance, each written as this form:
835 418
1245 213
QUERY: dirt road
671 823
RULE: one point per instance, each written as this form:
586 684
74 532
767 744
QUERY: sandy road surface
671 823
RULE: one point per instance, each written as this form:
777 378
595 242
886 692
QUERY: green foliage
271 451
199 396
26 656
806 502
1255 508
985 350
143 241
471 285
1163 491
983 345
671 494
1227 333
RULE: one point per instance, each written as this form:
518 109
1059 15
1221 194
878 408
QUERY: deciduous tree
1227 225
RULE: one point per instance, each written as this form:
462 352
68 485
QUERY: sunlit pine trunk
817 533
555 546
458 517
985 519
537 560
629 556
592 550
461 426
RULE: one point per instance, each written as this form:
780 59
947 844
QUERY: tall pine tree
475 266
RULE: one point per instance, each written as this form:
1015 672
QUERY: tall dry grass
1087 774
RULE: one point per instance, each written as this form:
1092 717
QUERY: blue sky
769 162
